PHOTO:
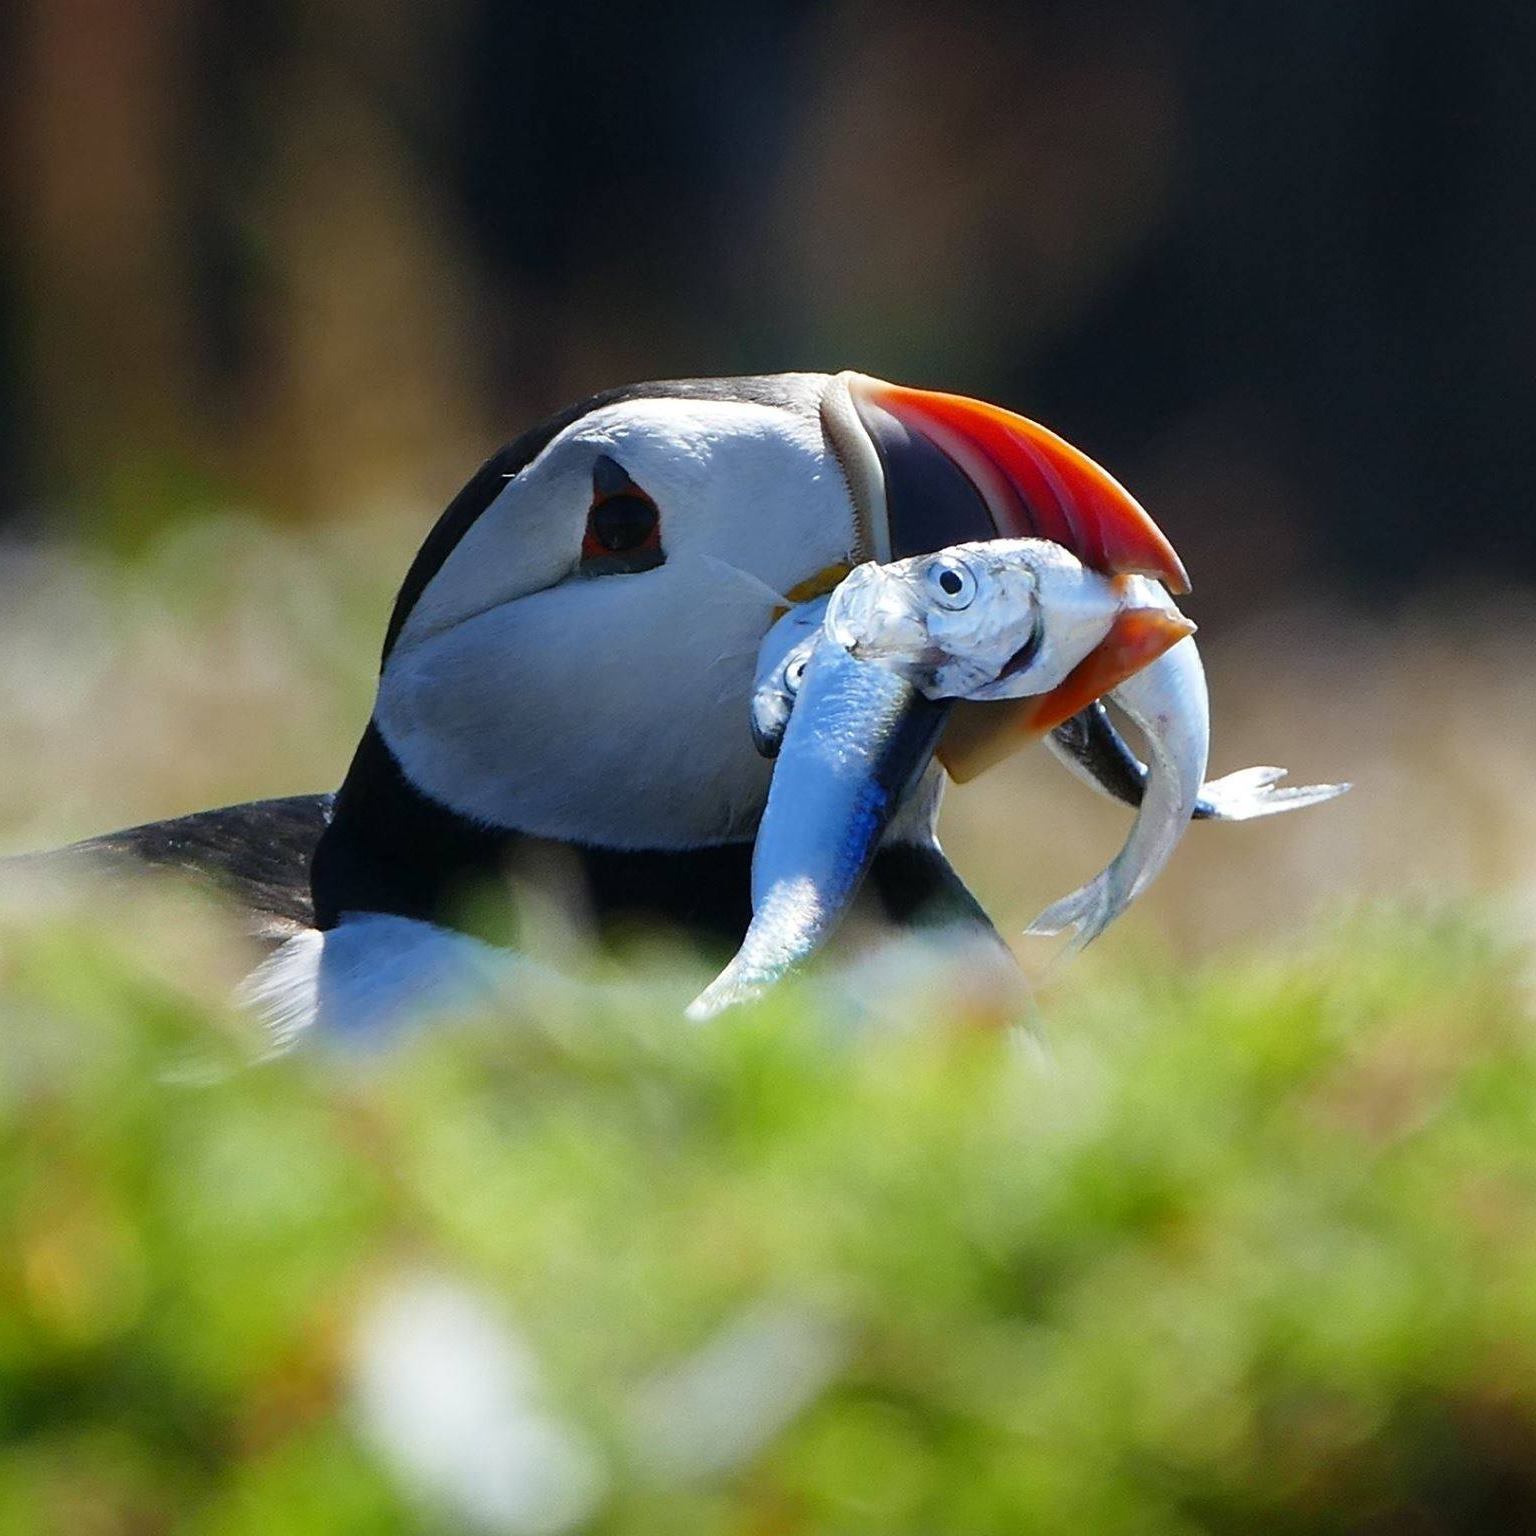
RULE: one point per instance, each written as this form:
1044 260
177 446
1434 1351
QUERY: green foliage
1250 1250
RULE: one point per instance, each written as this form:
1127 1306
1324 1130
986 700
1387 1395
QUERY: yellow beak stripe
813 586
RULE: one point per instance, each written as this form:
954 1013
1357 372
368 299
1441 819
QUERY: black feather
256 855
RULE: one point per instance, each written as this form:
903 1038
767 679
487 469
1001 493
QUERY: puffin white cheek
612 712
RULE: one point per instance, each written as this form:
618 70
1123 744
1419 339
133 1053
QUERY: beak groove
951 469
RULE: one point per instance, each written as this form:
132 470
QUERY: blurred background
274 279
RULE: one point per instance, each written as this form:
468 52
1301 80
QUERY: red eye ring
623 521
621 525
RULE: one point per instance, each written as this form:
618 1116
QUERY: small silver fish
852 738
1095 752
852 695
1000 619
1169 704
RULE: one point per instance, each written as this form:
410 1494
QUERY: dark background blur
1274 264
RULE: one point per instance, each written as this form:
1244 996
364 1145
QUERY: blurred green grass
1249 1247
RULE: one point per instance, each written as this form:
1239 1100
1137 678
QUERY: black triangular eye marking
799 393
623 535
610 478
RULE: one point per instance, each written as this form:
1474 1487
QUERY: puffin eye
623 530
622 523
951 584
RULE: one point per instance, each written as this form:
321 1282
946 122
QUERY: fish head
993 619
781 663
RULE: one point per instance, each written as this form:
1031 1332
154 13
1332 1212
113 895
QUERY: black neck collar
391 848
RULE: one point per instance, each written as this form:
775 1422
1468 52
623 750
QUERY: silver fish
1169 704
1095 752
1000 619
858 739
852 695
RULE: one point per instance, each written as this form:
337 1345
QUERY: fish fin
1251 793
1087 912
735 985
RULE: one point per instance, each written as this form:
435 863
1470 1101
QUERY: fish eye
794 671
951 583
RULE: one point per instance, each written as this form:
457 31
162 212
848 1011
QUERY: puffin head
572 653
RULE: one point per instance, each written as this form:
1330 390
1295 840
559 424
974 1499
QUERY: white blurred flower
449 1395
716 1407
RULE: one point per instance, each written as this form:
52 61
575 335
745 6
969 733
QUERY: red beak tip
1173 575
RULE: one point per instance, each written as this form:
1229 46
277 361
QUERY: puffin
566 677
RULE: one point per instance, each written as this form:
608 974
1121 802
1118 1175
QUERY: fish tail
1087 912
790 922
1251 793
734 985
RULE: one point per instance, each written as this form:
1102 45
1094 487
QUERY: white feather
374 974
495 700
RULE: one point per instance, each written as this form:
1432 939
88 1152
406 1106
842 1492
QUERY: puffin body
567 672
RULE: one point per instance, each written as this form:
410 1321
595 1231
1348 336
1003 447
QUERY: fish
994 619
854 742
1092 748
852 695
1169 704
1095 752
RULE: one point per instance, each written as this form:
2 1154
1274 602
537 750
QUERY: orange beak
930 469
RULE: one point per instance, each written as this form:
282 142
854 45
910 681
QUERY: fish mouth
928 469
979 735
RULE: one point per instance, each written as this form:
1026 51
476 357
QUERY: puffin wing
256 855
917 887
